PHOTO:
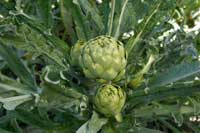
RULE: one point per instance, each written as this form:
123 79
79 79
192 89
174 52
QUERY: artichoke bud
76 52
109 100
139 78
136 82
103 59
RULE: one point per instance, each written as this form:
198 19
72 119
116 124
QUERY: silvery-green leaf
52 74
93 125
12 102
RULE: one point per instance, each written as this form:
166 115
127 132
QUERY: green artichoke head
103 58
76 52
109 100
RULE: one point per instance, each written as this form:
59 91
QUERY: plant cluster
103 59
116 66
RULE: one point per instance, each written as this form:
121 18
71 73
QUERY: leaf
7 29
196 106
44 9
17 66
105 10
93 125
5 131
111 18
193 126
79 19
169 125
6 118
12 102
149 111
162 93
65 98
91 10
18 36
8 84
6 6
147 130
134 40
175 73
52 74
16 126
34 42
178 119
2 64
34 119
120 19
61 45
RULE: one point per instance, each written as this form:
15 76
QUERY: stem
140 33
14 88
111 17
162 93
12 99
120 19
148 65
118 117
164 122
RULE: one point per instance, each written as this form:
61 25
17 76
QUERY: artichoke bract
76 52
103 58
109 100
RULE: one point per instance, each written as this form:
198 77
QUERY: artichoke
109 100
103 58
76 52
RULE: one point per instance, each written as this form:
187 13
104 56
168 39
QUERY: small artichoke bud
109 100
76 52
139 78
104 59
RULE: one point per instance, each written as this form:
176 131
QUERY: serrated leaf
175 73
196 106
169 125
30 40
52 74
44 9
17 66
79 19
178 118
34 119
161 110
8 84
7 29
163 93
91 10
63 97
93 125
12 102
135 39
121 18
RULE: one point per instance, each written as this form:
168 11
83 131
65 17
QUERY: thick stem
118 117
110 24
120 19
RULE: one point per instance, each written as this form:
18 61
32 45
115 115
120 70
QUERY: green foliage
16 65
42 91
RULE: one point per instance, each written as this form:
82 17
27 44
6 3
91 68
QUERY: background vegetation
41 92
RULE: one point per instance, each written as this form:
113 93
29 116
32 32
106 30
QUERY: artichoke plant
103 58
46 85
109 100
